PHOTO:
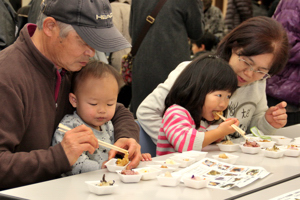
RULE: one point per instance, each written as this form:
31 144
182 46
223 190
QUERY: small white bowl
273 154
292 152
100 190
183 160
112 166
175 165
231 158
250 150
297 140
162 170
196 184
228 147
129 178
148 173
198 155
168 181
283 140
266 144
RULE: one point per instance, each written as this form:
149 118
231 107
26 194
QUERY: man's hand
276 115
133 148
78 140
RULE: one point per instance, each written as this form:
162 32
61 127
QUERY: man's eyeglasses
248 66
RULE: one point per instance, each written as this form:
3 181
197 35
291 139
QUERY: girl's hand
276 115
219 140
146 157
226 125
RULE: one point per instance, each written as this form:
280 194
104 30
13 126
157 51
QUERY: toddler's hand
146 157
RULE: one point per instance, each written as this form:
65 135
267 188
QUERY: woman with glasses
256 50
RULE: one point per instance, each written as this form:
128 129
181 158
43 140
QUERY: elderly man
35 79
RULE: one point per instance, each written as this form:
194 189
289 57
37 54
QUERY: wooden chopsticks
240 131
64 129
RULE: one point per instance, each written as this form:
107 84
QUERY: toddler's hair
206 74
208 39
96 69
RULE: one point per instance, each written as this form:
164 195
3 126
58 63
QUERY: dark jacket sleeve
8 23
124 124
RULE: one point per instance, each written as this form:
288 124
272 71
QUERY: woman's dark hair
203 75
258 35
95 69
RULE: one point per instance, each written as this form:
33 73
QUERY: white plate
228 147
266 144
281 140
231 158
292 152
183 160
273 154
112 166
168 181
148 172
100 190
175 165
129 178
297 140
162 170
250 150
196 184
198 155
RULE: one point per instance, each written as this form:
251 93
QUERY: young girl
203 88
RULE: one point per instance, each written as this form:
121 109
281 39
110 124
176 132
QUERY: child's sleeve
179 128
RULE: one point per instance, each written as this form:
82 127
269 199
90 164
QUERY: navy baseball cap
92 20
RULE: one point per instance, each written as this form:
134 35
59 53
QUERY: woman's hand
276 115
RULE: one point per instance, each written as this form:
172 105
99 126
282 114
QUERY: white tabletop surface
274 191
74 187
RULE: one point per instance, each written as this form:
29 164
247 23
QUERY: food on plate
264 141
164 166
168 174
103 182
251 144
170 162
128 172
145 171
123 162
223 156
274 148
213 172
216 116
292 147
197 178
228 142
186 159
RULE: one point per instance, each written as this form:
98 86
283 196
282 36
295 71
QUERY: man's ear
202 48
50 26
73 99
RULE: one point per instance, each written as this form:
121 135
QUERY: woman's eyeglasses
248 66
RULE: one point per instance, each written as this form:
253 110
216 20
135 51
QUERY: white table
73 187
274 191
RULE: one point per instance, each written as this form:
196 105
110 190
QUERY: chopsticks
64 129
240 131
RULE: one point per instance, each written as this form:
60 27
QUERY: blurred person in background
166 43
214 20
237 12
285 86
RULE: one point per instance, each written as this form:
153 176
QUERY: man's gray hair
64 28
